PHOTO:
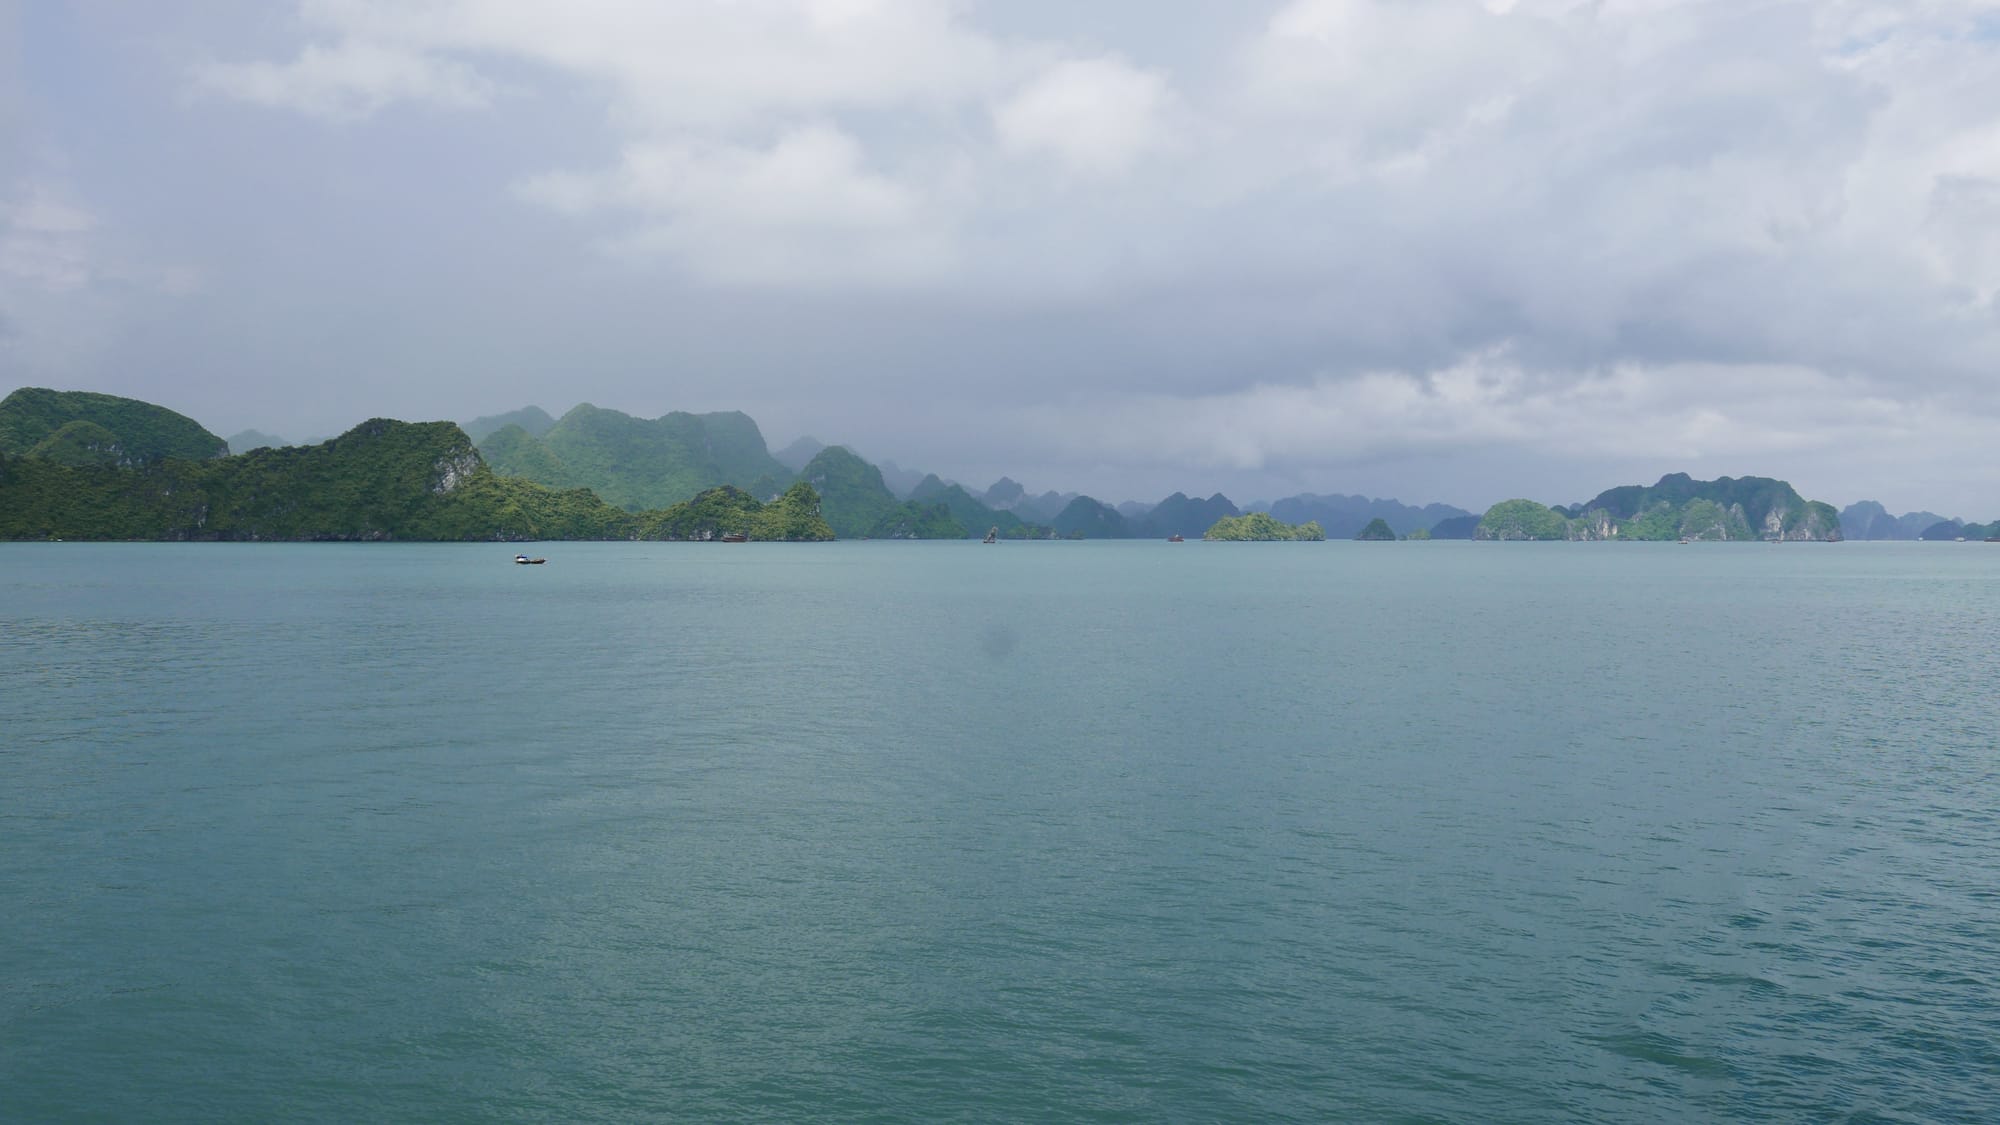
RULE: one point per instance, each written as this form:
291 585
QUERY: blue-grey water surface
1051 832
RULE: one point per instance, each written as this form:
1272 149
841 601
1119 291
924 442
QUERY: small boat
523 560
735 537
992 535
1175 538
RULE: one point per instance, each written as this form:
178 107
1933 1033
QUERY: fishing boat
735 537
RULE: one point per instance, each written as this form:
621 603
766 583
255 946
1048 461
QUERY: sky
1441 250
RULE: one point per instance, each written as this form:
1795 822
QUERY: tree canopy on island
1678 507
83 427
382 480
634 463
1261 528
792 518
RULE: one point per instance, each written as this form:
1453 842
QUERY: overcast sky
1434 249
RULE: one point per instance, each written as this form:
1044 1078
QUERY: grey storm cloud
1443 249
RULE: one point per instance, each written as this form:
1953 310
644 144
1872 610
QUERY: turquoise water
929 832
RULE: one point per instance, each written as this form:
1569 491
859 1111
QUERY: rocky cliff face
454 469
1810 522
1593 525
1679 507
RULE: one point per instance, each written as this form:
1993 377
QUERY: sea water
1032 831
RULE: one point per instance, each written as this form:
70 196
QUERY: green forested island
1678 507
83 428
728 510
81 465
1261 528
633 463
382 480
641 464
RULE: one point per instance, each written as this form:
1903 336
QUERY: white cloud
51 242
41 211
1713 225
809 177
734 163
67 279
1371 84
1490 399
1095 115
805 208
351 79
689 62
44 240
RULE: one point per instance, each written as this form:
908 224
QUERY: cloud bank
1344 233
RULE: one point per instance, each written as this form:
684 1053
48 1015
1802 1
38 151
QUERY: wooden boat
735 537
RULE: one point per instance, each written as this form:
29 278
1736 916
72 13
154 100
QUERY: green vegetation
513 452
1705 519
1522 519
1378 531
381 480
851 491
1260 527
634 463
1678 507
78 465
915 520
85 428
791 518
80 443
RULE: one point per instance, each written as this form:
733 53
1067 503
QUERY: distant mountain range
596 472
159 475
533 420
255 439
634 463
1344 517
1870 520
795 455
